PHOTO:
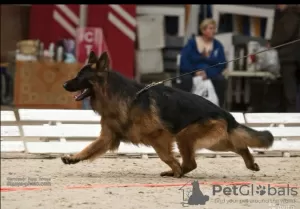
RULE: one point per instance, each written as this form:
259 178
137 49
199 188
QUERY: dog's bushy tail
244 136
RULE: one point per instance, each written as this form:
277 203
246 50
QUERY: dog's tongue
77 95
81 95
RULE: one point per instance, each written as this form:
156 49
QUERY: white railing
40 131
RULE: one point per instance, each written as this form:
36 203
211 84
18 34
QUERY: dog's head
94 72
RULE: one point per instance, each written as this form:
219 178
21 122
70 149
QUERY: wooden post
187 15
83 15
255 27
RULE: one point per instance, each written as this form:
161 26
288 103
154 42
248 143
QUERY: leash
222 63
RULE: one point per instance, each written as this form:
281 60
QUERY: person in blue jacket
204 51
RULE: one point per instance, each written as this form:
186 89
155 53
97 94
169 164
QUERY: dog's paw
171 173
167 173
69 159
177 175
254 167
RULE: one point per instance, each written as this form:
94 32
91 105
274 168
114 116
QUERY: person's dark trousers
289 79
220 85
266 95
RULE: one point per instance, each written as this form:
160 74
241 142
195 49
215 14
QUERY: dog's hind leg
241 139
248 159
227 145
163 145
187 152
197 136
104 143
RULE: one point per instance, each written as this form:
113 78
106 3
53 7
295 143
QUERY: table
4 64
39 85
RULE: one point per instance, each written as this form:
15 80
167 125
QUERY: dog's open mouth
83 94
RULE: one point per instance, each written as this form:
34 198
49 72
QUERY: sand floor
106 171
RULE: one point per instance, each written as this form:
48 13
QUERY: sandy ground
105 171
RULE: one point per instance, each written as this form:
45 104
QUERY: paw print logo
261 190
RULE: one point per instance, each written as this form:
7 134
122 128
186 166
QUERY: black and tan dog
158 117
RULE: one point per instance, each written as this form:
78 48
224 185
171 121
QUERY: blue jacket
192 60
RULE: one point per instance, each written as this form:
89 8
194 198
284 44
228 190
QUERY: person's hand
202 74
198 73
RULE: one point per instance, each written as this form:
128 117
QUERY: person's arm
286 29
221 58
191 50
188 58
185 64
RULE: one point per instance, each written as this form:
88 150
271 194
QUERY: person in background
202 52
287 28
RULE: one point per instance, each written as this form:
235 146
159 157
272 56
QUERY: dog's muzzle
82 93
69 86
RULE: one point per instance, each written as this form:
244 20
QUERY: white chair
58 116
10 133
75 129
285 127
273 119
49 117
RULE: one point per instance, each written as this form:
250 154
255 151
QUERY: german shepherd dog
158 117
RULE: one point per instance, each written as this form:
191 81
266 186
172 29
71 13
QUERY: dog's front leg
105 142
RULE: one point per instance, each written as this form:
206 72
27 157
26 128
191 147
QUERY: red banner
90 39
51 23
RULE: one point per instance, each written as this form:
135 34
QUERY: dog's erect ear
103 62
92 58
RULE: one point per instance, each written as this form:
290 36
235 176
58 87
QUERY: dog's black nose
65 85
